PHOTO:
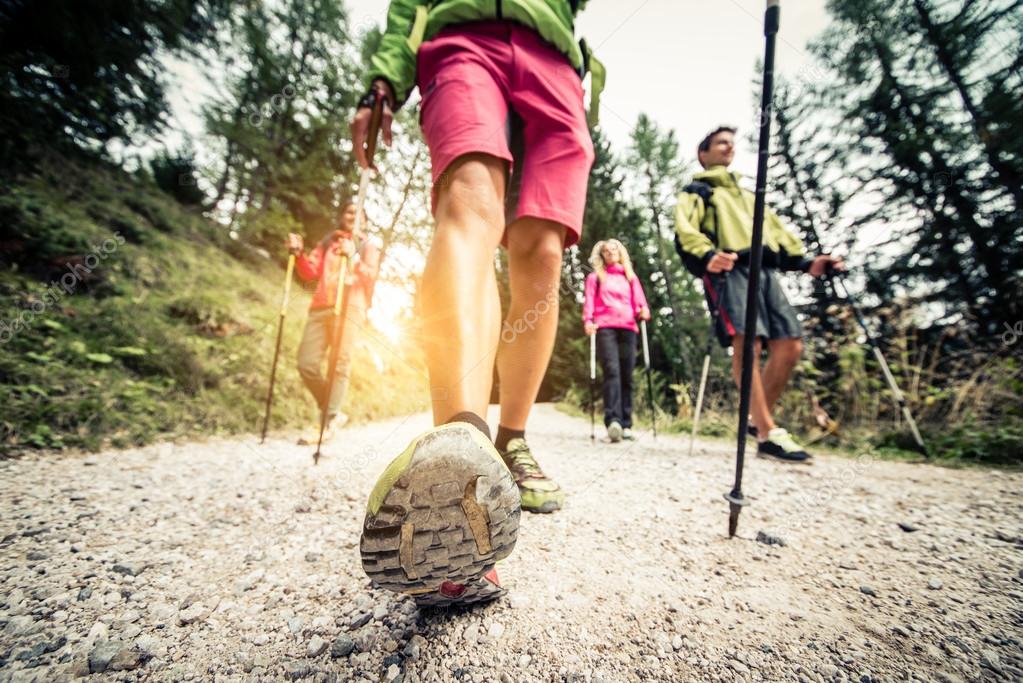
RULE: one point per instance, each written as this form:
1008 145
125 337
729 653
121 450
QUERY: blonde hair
597 259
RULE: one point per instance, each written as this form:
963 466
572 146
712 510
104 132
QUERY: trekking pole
365 176
649 377
277 346
897 394
593 382
714 307
735 499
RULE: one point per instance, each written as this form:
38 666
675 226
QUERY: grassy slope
170 335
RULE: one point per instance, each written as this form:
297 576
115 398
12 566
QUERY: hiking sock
504 435
473 419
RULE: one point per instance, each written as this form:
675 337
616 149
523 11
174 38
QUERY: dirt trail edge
225 560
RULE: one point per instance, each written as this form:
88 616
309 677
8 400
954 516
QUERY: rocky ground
226 560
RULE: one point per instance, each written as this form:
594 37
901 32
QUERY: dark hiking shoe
539 492
439 518
782 447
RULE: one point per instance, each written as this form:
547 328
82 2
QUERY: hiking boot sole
778 458
443 513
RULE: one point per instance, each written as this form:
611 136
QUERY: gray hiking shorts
726 293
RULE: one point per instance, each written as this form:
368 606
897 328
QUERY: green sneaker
439 518
539 492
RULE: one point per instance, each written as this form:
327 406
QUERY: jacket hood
718 176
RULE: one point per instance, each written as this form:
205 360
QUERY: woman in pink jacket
614 299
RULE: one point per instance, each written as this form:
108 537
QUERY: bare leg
782 356
758 407
535 247
461 305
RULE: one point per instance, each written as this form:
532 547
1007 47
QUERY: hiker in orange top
322 265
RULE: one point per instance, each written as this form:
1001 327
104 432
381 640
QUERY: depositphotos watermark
511 330
1012 334
61 287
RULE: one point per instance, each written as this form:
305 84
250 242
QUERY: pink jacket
615 302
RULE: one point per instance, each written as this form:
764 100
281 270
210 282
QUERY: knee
308 368
468 192
790 351
537 244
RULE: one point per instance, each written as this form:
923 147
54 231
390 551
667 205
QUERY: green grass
171 333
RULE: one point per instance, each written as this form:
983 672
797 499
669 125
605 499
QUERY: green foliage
283 121
89 71
172 337
176 174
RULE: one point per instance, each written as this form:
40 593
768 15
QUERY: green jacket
727 225
410 22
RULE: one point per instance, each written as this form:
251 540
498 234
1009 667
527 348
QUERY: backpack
704 191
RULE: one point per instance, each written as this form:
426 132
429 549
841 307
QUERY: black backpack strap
708 226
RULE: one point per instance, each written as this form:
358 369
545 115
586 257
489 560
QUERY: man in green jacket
714 231
502 113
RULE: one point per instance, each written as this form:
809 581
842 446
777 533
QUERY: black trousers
616 351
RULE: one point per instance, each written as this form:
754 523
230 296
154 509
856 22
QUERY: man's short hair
704 145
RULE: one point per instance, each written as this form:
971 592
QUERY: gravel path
225 560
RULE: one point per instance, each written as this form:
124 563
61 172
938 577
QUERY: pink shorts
491 87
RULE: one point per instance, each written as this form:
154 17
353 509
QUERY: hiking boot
539 493
439 518
628 435
782 447
614 431
311 437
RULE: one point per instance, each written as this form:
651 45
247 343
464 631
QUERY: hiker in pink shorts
502 113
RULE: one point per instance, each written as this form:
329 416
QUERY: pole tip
733 519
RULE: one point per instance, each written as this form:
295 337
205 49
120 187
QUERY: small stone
126 659
248 582
899 630
97 633
738 667
867 590
676 642
316 647
84 594
150 646
36 556
360 620
191 615
770 539
380 611
495 631
830 670
260 639
343 646
102 654
393 674
295 624
472 633
524 661
294 671
128 568
246 661
935 584
989 658
907 527
312 557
